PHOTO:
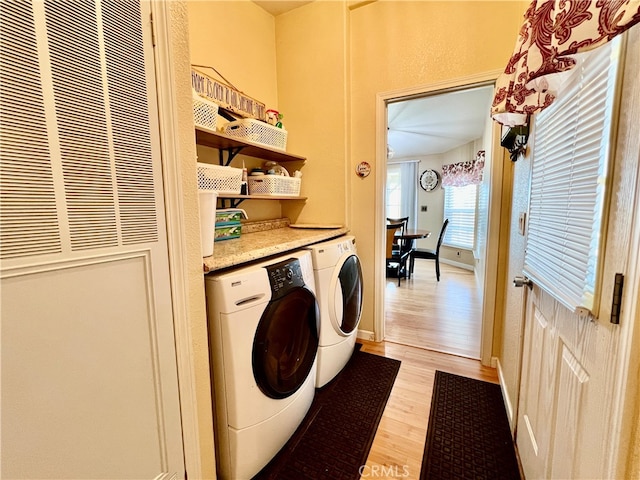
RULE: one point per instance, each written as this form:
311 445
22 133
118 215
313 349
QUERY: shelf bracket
231 154
231 202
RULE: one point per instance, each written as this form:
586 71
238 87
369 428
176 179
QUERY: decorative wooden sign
363 169
227 97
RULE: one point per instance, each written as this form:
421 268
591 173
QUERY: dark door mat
335 437
468 436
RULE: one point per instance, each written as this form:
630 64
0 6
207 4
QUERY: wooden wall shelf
235 200
234 146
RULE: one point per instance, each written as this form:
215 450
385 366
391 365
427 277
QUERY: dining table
410 236
413 234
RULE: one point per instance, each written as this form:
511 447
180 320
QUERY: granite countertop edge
261 244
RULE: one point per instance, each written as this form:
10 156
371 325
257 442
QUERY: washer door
346 290
286 342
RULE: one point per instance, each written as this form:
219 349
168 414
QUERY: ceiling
438 123
276 7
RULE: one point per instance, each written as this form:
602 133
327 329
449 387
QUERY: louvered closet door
89 382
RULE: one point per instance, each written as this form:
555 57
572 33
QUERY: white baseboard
457 264
365 335
505 395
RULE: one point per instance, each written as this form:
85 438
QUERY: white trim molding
177 243
365 335
505 395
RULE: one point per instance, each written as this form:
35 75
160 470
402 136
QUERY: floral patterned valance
553 31
464 173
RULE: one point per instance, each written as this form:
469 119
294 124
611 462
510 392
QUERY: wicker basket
205 112
224 180
274 185
255 131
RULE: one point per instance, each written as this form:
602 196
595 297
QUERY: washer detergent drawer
233 292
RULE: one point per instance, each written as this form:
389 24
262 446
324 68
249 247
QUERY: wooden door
566 422
89 377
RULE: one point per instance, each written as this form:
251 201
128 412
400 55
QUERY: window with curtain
401 199
460 182
569 177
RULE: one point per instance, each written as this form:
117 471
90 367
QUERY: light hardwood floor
434 316
398 446
445 316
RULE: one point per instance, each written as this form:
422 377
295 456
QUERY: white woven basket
226 180
255 131
274 185
205 112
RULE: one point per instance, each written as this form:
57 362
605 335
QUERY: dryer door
286 342
346 290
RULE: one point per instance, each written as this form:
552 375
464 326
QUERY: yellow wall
395 45
238 39
312 87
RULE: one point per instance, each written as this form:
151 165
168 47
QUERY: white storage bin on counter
224 180
207 201
255 131
274 185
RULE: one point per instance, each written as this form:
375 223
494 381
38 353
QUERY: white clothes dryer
338 276
263 337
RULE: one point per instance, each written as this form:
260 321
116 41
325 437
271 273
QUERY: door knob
520 281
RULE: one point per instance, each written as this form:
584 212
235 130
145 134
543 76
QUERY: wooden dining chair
396 257
404 221
431 254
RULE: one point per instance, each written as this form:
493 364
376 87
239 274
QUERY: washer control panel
285 276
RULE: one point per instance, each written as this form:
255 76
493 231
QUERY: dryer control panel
284 277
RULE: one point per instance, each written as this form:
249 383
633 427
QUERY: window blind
570 165
460 209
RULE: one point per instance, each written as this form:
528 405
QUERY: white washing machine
263 331
339 287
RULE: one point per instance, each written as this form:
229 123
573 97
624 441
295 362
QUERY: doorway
434 127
